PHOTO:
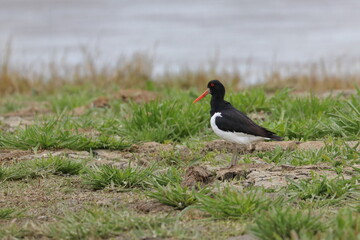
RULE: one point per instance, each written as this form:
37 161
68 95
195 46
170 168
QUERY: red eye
212 85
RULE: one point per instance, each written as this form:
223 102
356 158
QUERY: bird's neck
217 102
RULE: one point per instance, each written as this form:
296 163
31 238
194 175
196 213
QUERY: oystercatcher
230 124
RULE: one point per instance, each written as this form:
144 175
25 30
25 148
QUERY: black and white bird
230 124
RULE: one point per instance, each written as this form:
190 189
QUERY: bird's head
215 87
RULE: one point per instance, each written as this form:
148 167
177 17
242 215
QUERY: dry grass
317 77
137 72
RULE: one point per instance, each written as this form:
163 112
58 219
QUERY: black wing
233 120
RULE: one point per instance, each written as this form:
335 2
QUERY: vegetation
87 161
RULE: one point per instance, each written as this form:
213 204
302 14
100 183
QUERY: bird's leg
251 147
235 155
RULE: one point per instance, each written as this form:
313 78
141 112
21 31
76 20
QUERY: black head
216 88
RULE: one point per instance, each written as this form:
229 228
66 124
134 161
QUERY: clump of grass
231 203
58 133
345 226
286 223
171 175
100 177
345 123
51 134
176 195
8 213
40 168
296 117
166 120
320 188
70 98
59 165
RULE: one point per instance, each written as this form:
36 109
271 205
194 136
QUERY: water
182 33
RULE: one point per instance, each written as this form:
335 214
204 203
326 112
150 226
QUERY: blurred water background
252 35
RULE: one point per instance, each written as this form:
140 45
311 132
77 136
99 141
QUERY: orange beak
202 96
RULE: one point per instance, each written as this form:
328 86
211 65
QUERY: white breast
235 137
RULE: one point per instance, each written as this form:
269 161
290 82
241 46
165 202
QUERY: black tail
276 137
272 135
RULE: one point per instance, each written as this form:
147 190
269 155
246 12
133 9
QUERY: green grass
8 213
171 175
320 187
234 204
102 223
176 195
335 153
165 120
176 119
41 168
286 223
345 123
100 177
58 133
346 225
305 209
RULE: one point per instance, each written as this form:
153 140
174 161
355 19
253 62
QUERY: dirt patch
320 144
150 147
118 159
45 199
197 175
10 155
79 110
271 176
12 123
7 155
101 102
221 145
311 145
269 146
135 95
152 207
36 109
88 132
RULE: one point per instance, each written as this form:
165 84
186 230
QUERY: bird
231 124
